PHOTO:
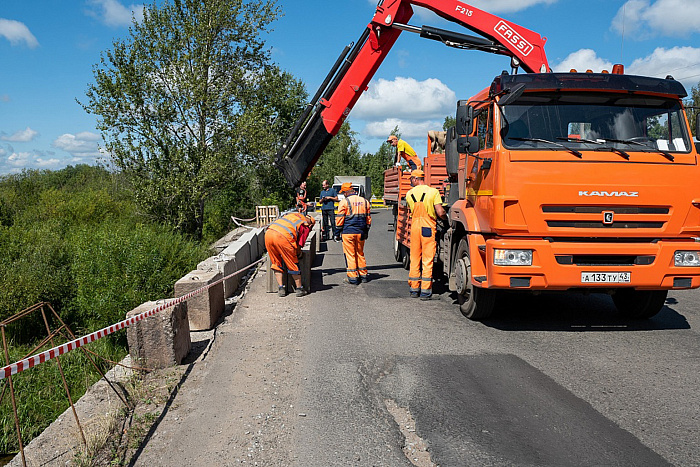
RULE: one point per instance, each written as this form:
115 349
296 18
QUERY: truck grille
591 217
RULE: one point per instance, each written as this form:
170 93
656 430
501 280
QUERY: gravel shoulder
236 403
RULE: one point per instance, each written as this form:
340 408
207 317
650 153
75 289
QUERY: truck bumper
559 265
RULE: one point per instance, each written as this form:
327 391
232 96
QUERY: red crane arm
354 69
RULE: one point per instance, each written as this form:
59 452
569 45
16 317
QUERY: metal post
12 393
63 377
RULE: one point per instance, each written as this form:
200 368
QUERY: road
366 376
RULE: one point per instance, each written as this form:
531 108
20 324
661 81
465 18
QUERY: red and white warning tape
50 354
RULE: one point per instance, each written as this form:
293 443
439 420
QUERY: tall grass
75 238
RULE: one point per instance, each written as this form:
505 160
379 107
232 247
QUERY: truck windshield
587 121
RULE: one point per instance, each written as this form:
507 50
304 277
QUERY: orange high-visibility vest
288 225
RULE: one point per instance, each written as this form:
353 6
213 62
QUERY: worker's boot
301 292
282 291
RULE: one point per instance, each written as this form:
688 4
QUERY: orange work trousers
423 246
282 252
355 262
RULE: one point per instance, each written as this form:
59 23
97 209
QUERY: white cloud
683 63
641 19
113 13
405 98
407 128
19 159
582 60
83 144
17 33
32 160
22 136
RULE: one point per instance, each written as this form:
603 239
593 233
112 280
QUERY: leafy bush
117 267
75 239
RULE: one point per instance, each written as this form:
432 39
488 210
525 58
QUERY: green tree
342 156
172 101
375 165
450 121
693 101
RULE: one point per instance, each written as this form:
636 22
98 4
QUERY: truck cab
574 181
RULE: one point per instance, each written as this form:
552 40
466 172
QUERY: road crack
415 448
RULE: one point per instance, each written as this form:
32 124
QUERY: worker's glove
365 234
398 164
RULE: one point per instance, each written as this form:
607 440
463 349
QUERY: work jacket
288 226
353 215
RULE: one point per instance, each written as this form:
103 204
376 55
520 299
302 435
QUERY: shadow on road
565 311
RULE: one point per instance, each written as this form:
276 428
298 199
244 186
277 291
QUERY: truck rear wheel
639 304
474 302
398 251
406 257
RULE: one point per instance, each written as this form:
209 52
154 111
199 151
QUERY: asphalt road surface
550 380
371 377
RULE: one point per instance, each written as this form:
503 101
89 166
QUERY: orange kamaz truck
573 181
556 181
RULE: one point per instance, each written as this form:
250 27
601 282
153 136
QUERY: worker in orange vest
283 241
353 222
425 204
403 149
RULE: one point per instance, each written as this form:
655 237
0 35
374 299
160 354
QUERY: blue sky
48 48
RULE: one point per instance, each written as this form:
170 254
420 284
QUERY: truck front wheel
474 302
639 304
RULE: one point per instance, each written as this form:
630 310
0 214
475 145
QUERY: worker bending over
425 204
403 149
283 241
353 221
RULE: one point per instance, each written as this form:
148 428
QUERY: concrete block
308 252
260 235
161 340
251 239
241 251
317 230
313 241
226 265
205 308
272 286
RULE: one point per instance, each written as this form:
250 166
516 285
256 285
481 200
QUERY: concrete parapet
205 308
272 286
261 240
308 256
251 239
226 265
241 251
161 340
317 230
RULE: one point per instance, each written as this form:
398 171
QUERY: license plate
605 277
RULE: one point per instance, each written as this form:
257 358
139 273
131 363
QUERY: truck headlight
512 257
686 258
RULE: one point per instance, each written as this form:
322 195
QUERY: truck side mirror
697 126
465 119
468 144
